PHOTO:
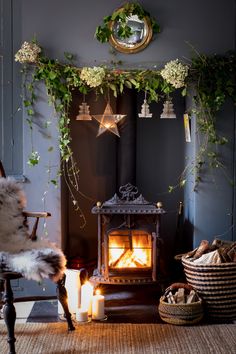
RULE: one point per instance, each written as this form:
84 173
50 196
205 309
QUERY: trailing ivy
215 81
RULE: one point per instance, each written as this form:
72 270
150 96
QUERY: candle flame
98 292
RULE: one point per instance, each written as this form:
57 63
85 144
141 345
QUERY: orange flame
120 256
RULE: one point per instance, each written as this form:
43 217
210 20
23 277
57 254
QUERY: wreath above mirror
129 29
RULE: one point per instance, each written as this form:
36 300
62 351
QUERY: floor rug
101 338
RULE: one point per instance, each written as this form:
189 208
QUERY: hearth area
128 239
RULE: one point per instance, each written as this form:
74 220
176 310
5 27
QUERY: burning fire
137 255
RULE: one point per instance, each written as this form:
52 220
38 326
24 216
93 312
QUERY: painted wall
210 211
69 25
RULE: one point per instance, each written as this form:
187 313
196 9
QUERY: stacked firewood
180 295
218 252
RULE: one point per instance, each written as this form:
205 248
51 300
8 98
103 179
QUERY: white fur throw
33 259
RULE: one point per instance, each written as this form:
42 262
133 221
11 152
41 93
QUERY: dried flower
92 76
175 73
28 53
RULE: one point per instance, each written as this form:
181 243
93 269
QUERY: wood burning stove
128 239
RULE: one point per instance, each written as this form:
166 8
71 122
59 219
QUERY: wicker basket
180 314
216 285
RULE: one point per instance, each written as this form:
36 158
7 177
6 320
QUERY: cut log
179 296
191 297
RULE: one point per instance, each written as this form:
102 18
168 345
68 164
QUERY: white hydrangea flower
92 76
175 73
28 53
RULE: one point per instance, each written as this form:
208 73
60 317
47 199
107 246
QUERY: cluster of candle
91 305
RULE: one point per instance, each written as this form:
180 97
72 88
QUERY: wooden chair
9 312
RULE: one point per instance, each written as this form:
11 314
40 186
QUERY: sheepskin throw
34 260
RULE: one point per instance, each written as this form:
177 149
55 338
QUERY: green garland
211 77
104 32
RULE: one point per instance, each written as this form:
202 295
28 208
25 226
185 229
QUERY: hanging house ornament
168 110
108 121
145 112
84 113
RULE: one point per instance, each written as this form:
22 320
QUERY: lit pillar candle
86 297
81 315
98 306
72 285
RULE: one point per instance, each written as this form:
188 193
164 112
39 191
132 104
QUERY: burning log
137 261
115 263
125 259
128 259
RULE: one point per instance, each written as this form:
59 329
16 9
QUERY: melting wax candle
81 315
73 288
86 297
98 306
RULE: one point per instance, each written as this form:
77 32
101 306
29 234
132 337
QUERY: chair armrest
36 214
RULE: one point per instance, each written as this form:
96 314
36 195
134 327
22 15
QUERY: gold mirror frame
123 46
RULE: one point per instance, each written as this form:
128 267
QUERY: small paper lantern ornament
84 113
168 110
145 112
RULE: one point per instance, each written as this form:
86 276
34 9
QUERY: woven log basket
216 285
180 314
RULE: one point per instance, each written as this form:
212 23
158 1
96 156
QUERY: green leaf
155 27
107 19
170 189
53 181
128 84
33 159
52 75
114 89
30 112
68 56
134 82
184 92
27 103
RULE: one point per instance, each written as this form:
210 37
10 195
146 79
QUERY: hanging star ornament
108 121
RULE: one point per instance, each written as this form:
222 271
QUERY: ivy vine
214 82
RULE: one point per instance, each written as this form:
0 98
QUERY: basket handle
177 286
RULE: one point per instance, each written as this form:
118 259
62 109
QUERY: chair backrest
2 171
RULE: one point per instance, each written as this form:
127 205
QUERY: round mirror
139 38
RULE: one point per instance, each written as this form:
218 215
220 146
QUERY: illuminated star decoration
108 121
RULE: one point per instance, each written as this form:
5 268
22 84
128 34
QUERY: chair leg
62 297
9 314
1 293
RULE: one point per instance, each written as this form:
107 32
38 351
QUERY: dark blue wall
69 26
211 208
